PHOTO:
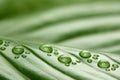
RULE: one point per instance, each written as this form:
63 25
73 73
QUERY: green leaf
59 40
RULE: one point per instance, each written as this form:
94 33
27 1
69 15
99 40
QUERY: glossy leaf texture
60 40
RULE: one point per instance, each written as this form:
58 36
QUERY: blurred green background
84 24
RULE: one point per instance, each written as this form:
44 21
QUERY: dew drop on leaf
6 44
49 55
1 42
2 48
24 56
67 64
74 63
95 57
107 69
27 52
89 60
16 57
56 52
46 48
64 59
85 54
17 50
115 65
78 61
103 64
113 69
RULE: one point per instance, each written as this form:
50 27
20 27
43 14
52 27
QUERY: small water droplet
7 42
6 45
64 59
24 56
95 57
107 69
16 57
89 60
56 52
46 48
74 63
2 48
1 42
27 52
113 69
49 55
67 64
85 54
17 50
103 64
115 65
78 61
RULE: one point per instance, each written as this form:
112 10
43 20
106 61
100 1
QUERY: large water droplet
85 54
46 48
18 50
1 42
103 64
64 59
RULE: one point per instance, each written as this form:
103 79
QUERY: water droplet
24 56
27 52
7 42
115 65
56 52
1 42
46 48
67 64
113 69
16 57
18 50
78 61
49 55
89 60
2 48
64 59
103 64
74 63
85 54
6 45
95 57
107 69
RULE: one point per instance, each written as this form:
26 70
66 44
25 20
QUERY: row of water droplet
4 45
19 51
103 64
16 50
